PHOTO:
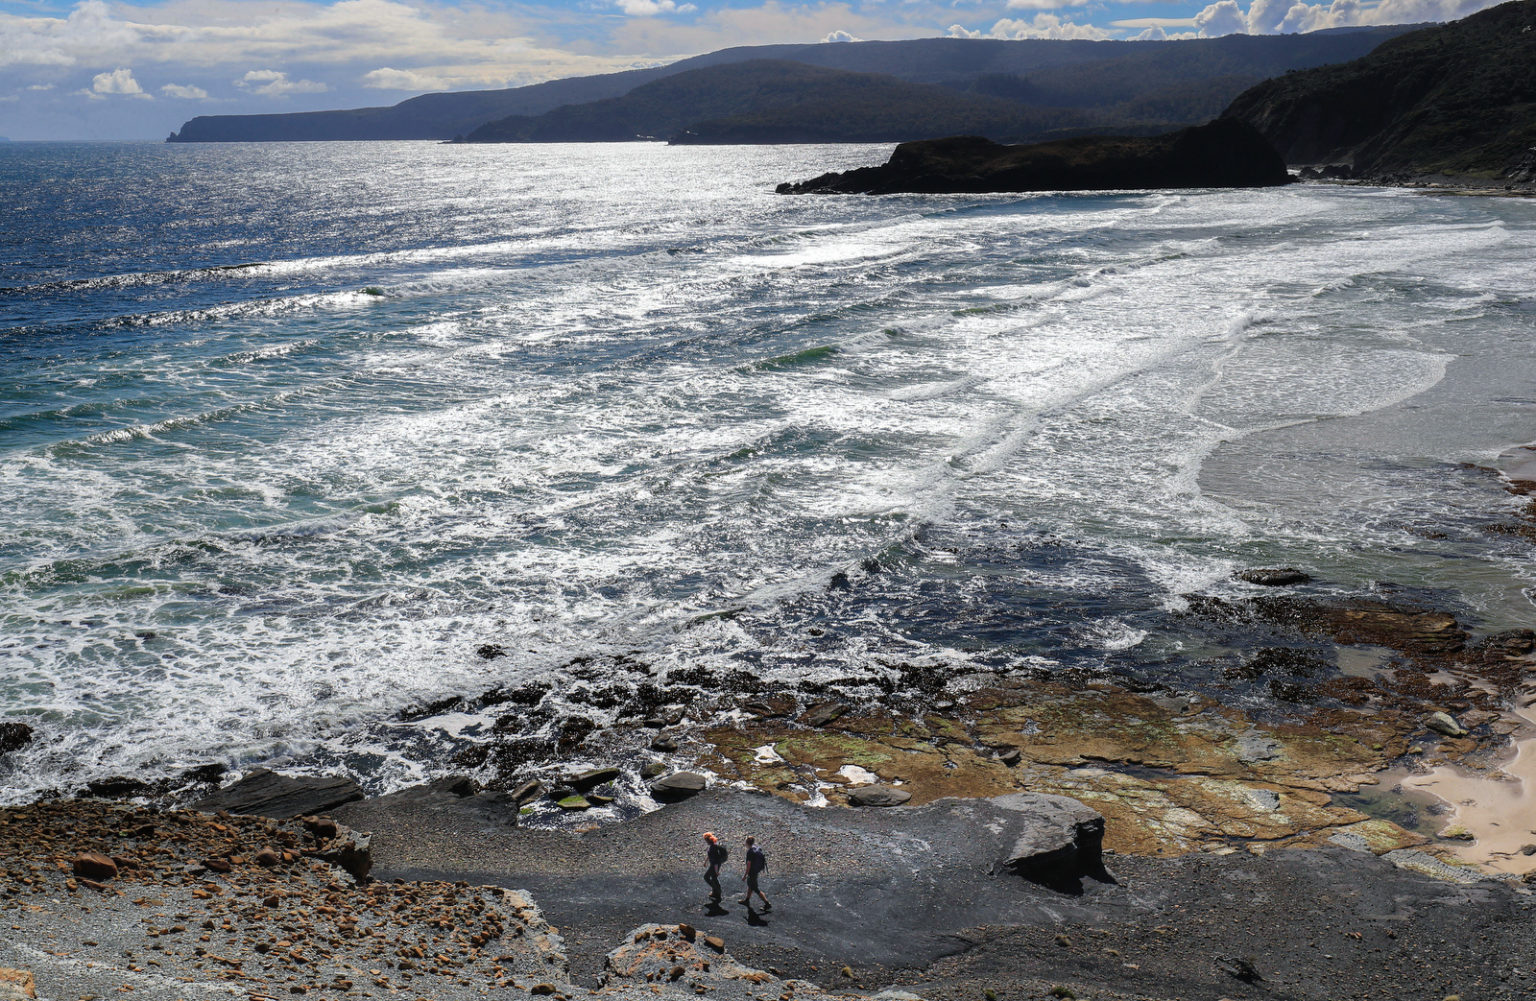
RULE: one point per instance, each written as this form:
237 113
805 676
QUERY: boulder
666 745
94 865
677 786
458 785
116 787
573 802
878 796
14 736
1446 724
528 791
265 793
1062 842
592 778
823 714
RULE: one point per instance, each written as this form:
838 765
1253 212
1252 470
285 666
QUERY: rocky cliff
1456 100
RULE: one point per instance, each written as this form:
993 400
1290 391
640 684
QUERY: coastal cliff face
1457 100
1223 154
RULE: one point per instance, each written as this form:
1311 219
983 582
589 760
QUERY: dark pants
712 877
752 884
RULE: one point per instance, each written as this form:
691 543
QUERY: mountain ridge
960 64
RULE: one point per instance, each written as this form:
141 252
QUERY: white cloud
651 8
1152 33
118 81
388 78
185 91
840 36
1044 4
1046 26
275 83
41 86
1268 17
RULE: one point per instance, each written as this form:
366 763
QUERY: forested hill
1456 99
769 100
1181 81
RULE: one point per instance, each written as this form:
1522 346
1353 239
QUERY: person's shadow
755 919
713 909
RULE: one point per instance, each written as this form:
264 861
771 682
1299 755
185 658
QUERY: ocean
294 437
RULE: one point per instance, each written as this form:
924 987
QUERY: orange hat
710 837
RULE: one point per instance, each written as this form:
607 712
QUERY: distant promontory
1223 154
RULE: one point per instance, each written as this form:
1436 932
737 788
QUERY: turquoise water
287 432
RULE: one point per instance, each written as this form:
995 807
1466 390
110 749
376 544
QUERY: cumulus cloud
1268 17
651 8
119 81
275 83
185 91
1151 33
389 78
1045 26
840 36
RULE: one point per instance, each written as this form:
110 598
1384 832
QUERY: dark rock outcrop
267 794
14 736
878 795
1455 101
1223 154
1061 843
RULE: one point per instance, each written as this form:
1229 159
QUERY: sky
99 69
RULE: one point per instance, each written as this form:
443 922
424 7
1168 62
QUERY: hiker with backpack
716 854
756 863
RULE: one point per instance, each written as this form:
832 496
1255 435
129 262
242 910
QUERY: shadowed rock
677 786
1062 841
1224 154
878 796
267 794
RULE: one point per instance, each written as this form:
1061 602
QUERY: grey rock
1253 746
265 793
592 778
530 790
823 713
1446 724
677 786
878 796
665 745
458 785
1062 841
653 769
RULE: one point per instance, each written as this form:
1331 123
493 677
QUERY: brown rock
715 942
216 864
16 985
93 865
688 932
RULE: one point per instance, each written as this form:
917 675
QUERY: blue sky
99 69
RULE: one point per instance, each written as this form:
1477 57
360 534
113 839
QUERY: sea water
289 432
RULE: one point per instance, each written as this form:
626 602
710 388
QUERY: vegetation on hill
776 101
1181 81
1456 99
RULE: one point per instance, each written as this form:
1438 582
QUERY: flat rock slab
264 793
849 885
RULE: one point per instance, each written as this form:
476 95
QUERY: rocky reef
1225 153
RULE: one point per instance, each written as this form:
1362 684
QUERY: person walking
716 854
756 863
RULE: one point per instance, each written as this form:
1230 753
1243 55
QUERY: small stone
666 745
1011 757
530 790
267 858
93 865
653 769
878 796
542 989
688 932
1445 723
1528 850
573 802
715 942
